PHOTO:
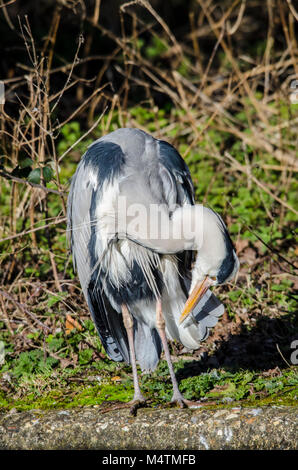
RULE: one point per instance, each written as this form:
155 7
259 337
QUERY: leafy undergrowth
71 369
104 382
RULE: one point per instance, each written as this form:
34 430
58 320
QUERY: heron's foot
179 400
137 402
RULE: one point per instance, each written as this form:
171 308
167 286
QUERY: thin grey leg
128 323
160 323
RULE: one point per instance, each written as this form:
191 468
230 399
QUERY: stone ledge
88 428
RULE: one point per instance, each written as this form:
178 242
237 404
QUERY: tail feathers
108 322
148 346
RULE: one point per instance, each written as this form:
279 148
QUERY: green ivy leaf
47 173
34 176
26 162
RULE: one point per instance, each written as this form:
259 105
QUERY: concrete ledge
88 428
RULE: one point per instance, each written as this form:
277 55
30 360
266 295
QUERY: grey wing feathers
207 313
178 173
81 232
178 182
108 322
79 224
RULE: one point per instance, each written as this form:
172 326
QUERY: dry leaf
116 378
71 323
241 245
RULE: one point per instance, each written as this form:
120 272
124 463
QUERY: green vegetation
228 111
96 383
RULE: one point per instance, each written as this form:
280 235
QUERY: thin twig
28 232
25 310
6 175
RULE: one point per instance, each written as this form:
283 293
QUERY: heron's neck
204 233
187 228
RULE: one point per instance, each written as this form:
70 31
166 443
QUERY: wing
179 190
178 185
86 244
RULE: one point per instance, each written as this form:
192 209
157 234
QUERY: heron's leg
128 323
160 323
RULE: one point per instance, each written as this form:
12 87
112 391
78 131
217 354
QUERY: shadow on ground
265 346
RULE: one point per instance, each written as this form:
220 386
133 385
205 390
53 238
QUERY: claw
180 403
179 399
136 403
133 405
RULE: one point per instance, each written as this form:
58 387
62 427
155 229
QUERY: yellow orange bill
194 298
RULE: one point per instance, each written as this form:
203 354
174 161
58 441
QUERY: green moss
71 397
97 395
221 388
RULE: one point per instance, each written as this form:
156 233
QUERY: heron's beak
195 296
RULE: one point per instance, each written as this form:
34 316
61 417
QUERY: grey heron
142 287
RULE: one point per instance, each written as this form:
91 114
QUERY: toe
136 404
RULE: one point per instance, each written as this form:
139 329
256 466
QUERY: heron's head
216 261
